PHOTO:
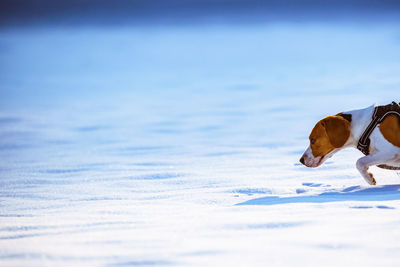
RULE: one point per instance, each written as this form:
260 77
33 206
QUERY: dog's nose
302 160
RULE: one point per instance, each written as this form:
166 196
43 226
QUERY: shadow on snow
353 193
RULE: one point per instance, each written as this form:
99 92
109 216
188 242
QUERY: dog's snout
302 160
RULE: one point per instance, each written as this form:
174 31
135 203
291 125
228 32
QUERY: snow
179 146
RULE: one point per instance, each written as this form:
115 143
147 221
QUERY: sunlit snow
152 146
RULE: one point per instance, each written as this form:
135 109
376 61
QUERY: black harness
380 113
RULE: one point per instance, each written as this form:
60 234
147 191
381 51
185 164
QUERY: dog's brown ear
338 130
345 116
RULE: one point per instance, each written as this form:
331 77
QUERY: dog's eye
312 141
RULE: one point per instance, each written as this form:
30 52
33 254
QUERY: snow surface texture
179 146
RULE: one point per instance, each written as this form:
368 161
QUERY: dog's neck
359 121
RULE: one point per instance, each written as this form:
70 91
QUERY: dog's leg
364 163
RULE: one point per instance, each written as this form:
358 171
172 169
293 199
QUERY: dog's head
328 136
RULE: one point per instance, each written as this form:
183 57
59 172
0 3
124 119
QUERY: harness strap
378 116
364 141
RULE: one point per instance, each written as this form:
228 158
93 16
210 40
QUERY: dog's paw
370 179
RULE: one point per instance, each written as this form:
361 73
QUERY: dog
375 131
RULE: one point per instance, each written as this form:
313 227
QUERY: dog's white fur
381 150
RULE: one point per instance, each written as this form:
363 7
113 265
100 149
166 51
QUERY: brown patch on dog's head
329 133
345 116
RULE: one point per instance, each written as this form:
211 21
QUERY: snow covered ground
179 146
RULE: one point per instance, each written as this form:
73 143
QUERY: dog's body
345 130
